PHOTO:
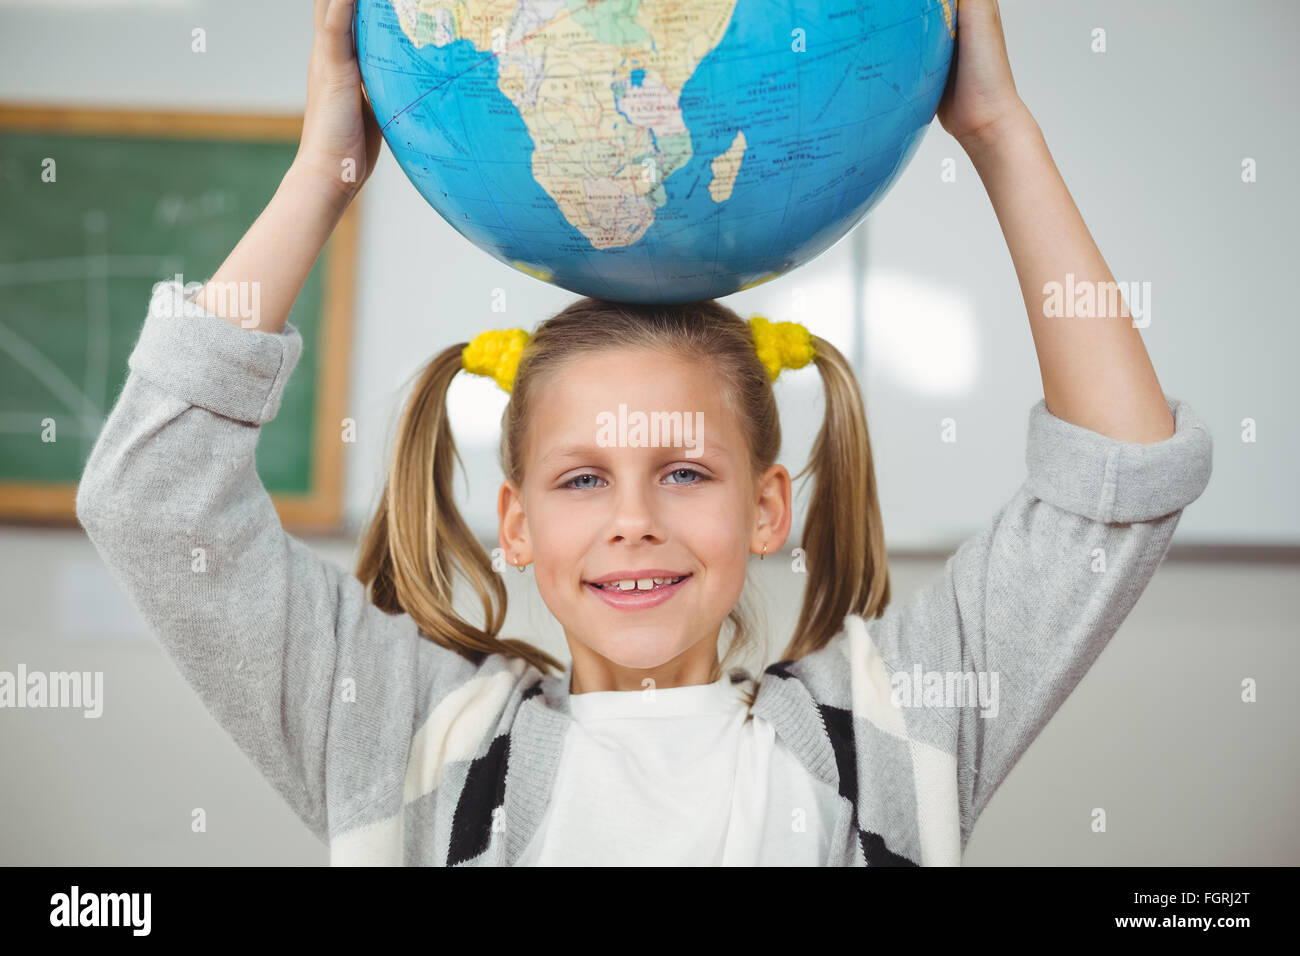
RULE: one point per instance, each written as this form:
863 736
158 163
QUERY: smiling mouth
623 599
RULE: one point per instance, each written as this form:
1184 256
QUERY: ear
512 527
774 514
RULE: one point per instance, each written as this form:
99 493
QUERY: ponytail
843 536
417 539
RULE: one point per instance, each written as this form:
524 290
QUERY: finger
338 30
319 12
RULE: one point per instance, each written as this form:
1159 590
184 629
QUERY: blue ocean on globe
648 150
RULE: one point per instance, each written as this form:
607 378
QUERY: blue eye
688 471
570 482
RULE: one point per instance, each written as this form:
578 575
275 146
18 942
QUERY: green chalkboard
96 207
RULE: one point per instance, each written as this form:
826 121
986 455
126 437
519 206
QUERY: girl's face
598 500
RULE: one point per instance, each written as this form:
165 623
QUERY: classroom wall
1149 143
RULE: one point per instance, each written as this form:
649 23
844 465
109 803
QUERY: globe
654 150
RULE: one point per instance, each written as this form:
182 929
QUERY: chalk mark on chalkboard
51 376
88 401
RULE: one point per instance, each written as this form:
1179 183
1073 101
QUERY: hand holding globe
340 138
981 93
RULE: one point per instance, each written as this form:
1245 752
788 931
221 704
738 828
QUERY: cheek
717 538
554 551
561 546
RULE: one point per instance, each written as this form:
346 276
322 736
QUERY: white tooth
626 585
645 584
660 580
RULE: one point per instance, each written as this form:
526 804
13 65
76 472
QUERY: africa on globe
654 150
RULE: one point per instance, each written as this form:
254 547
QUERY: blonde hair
417 538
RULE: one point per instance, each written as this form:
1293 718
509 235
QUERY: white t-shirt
680 777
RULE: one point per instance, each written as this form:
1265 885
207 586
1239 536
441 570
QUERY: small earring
764 554
519 567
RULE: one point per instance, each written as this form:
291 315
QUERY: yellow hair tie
495 353
781 344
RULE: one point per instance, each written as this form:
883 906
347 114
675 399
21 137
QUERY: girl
402 732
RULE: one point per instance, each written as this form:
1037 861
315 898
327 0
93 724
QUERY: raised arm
1095 368
1023 608
340 143
321 689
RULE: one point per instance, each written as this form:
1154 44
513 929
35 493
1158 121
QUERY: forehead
566 409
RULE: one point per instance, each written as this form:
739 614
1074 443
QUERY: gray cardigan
395 750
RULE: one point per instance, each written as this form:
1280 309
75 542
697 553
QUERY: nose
634 517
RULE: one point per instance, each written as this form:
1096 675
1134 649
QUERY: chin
636 654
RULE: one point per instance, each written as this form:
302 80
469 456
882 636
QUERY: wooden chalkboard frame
320 509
